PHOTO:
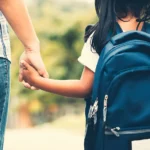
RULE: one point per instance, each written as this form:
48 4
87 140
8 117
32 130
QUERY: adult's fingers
27 85
34 88
20 77
46 75
43 73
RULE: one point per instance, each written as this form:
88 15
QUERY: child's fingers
25 65
25 74
25 82
20 72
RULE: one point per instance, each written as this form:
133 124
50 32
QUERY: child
129 14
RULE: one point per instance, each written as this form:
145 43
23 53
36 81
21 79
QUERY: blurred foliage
60 27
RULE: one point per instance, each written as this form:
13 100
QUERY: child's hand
29 73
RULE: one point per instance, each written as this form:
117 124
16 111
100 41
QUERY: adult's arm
17 15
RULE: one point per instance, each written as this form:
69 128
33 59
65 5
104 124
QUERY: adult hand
32 57
30 74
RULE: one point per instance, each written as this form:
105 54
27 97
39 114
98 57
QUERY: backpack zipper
112 131
117 131
93 109
105 108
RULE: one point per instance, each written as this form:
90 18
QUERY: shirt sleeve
89 57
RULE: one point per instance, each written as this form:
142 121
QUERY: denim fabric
4 96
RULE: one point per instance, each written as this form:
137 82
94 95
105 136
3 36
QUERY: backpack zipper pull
93 109
105 100
105 108
114 131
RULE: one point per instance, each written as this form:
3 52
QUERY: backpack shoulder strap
147 27
118 28
118 31
99 64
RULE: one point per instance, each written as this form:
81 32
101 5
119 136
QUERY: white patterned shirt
5 50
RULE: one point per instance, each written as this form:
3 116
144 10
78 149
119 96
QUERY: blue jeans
4 96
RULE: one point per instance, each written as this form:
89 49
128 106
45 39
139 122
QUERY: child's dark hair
107 12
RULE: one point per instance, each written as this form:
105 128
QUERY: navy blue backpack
119 112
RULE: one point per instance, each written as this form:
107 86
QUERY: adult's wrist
32 46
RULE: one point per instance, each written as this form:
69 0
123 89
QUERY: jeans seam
5 101
6 84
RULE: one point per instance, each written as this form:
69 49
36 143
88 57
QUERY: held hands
33 58
29 73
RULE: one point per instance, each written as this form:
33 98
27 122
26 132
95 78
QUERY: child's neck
129 24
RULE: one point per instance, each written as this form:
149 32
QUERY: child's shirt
89 57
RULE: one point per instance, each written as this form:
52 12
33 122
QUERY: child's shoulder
88 27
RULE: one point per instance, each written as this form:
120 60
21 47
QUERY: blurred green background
60 26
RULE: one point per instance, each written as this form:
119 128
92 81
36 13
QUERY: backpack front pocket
126 107
127 100
117 131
